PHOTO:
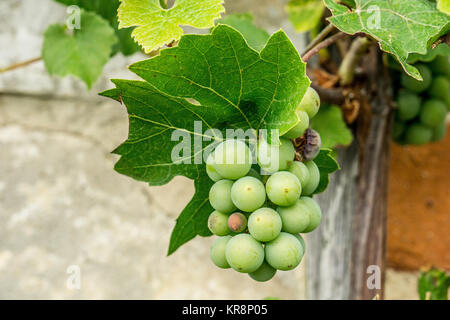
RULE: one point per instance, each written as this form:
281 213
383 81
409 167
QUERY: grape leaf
440 50
80 52
108 10
305 14
444 6
327 164
401 27
331 126
156 26
433 284
243 22
218 81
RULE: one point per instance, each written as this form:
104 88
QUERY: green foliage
243 22
443 6
440 50
156 26
107 9
234 85
331 126
80 52
305 14
327 164
401 27
433 285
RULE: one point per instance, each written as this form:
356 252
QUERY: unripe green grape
433 112
264 224
439 132
440 65
314 178
220 196
300 127
217 252
398 129
264 273
418 134
232 159
218 223
237 222
440 89
272 158
415 85
295 218
248 194
302 241
315 213
244 254
283 188
255 174
408 105
285 252
310 102
211 171
300 170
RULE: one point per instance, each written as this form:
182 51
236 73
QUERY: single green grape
217 252
310 102
272 158
398 129
301 171
315 213
300 127
264 273
211 171
218 223
295 218
237 222
220 196
283 188
440 89
439 132
415 85
314 178
264 224
408 105
232 159
433 112
248 194
302 241
418 134
440 65
244 254
284 253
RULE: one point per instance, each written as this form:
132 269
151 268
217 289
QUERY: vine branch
321 45
347 68
20 64
322 35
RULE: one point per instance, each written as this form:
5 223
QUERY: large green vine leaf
243 22
331 126
107 9
401 27
80 52
218 81
156 26
305 14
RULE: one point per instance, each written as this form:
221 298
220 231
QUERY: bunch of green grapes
260 210
422 106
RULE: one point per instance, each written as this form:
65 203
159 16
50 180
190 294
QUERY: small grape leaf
305 14
80 52
331 126
443 6
156 26
243 22
401 27
327 165
433 284
107 9
442 49
216 80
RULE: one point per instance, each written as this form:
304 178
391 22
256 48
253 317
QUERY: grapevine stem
319 38
325 43
347 69
20 64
